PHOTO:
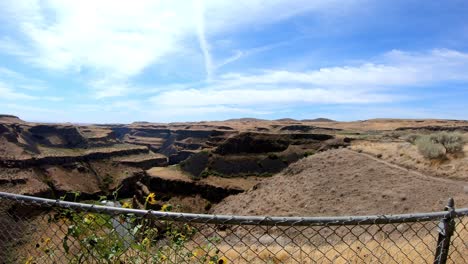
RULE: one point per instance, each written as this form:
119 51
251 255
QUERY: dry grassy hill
344 182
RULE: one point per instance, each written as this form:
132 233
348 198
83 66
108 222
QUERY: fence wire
37 230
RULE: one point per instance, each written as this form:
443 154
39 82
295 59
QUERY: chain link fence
37 230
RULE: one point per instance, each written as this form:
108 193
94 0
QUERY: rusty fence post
446 229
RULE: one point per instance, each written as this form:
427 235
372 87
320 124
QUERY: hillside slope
343 182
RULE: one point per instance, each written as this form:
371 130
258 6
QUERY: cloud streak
119 40
201 35
379 81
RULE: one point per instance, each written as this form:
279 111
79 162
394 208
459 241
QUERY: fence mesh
35 230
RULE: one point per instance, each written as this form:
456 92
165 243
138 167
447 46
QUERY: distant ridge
286 120
320 119
245 119
10 118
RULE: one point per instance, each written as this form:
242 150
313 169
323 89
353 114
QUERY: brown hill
320 119
343 182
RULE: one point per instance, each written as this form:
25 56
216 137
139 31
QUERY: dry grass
404 154
399 252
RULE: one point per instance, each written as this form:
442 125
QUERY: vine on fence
125 238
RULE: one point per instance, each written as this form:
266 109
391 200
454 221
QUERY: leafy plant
436 146
126 238
430 149
453 142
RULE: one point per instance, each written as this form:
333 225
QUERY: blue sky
163 61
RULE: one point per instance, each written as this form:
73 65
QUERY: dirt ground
344 182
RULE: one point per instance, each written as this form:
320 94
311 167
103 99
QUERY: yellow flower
162 258
151 198
188 228
222 260
89 218
166 208
146 242
126 205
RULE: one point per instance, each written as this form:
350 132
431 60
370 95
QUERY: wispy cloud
376 81
20 81
269 96
119 56
119 40
204 46
238 54
393 69
16 86
8 93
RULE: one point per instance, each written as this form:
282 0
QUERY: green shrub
124 238
453 142
208 172
430 149
437 145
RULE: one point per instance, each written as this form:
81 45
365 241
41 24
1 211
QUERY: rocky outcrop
188 188
306 128
175 143
57 160
253 143
144 161
263 143
58 136
96 159
255 154
435 128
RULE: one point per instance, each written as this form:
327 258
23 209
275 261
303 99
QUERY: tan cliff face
39 158
52 159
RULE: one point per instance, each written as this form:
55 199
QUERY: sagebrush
437 145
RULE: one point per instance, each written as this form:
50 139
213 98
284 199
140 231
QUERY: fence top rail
234 219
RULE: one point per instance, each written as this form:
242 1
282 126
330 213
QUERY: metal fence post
446 229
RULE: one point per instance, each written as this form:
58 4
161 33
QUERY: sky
113 61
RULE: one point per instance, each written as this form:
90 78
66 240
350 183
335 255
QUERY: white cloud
393 69
229 15
13 84
8 93
370 82
112 106
16 86
20 81
30 109
269 96
238 54
204 46
117 40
